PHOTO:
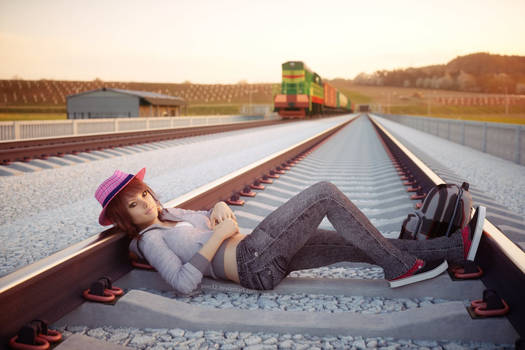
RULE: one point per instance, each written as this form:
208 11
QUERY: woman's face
142 209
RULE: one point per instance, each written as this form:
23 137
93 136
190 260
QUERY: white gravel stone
232 335
142 340
427 343
214 335
360 344
371 344
252 340
391 347
286 344
176 332
271 341
118 337
453 346
98 333
260 347
193 335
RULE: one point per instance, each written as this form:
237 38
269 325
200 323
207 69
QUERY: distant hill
485 63
54 92
478 72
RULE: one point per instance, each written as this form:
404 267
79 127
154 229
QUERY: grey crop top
217 263
174 251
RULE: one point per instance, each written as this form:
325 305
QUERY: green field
212 109
394 100
192 110
31 116
494 114
356 97
412 101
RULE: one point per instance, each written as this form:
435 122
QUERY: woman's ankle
396 270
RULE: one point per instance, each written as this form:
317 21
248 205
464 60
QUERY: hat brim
102 219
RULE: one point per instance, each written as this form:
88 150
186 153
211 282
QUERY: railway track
368 177
43 148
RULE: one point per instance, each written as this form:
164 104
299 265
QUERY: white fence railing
30 129
499 139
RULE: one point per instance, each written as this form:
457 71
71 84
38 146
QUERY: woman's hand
221 211
227 228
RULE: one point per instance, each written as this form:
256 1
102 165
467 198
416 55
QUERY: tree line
478 72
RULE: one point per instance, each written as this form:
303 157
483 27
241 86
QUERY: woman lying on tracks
185 245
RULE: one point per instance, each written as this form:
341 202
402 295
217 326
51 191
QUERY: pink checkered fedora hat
111 187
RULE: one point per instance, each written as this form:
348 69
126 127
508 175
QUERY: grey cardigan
173 251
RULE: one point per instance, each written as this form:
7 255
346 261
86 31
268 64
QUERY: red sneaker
472 233
419 272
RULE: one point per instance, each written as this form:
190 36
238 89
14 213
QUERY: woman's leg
264 256
324 248
328 247
448 248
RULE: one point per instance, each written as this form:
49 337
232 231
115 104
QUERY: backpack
445 209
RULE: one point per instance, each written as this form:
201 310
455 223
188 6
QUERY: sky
227 41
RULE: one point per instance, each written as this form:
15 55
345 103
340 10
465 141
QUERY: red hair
117 210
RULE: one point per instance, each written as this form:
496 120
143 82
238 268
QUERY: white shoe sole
476 238
420 276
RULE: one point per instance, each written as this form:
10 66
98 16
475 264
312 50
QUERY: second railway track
25 150
355 160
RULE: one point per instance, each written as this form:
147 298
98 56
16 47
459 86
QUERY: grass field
212 109
412 101
193 110
31 116
357 97
395 100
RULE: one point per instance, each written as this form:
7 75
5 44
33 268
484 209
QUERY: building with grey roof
118 103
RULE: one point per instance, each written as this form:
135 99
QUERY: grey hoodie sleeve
183 277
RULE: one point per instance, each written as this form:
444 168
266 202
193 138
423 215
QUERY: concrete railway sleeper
305 310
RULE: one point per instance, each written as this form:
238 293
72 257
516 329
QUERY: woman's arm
222 231
182 277
185 277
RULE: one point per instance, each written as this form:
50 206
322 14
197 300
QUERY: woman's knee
325 186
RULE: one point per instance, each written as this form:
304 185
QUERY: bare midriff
230 257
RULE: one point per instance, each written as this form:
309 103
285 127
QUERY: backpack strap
454 213
137 245
140 250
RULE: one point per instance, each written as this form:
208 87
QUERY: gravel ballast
161 339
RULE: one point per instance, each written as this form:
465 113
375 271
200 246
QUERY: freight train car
303 93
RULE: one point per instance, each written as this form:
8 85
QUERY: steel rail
511 250
52 287
502 261
24 150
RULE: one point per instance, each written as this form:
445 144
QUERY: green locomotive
303 93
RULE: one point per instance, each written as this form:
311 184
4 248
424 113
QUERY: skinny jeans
288 239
